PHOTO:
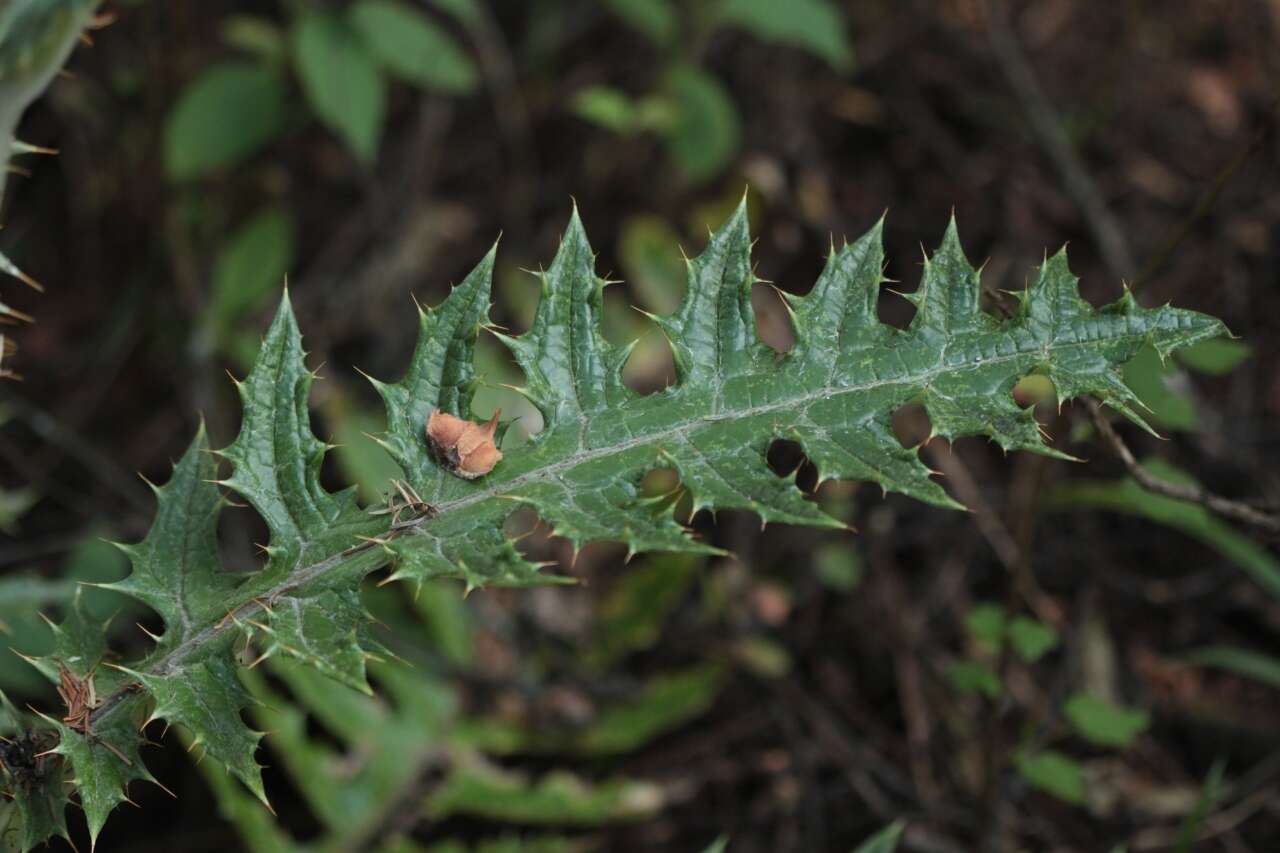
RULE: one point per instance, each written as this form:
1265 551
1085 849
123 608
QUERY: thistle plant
834 394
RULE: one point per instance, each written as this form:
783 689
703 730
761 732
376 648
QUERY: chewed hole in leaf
787 457
659 482
665 483
911 425
1035 389
520 523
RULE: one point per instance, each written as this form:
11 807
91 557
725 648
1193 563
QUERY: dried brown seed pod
465 448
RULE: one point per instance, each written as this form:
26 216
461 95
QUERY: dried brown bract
465 448
79 697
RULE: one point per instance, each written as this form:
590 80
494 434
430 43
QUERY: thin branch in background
1053 137
1206 201
1110 238
105 469
995 532
1225 507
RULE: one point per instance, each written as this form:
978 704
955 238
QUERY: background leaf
1054 773
251 267
412 47
225 115
703 134
1103 723
884 841
816 26
655 19
341 81
1127 497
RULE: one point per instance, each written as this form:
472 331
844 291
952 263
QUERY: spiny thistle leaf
98 772
104 760
834 393
176 570
441 376
276 459
322 632
206 698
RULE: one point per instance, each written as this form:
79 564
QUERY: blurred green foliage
1055 774
1128 498
1102 723
342 61
1163 387
689 109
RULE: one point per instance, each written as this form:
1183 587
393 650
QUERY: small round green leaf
1031 638
1054 773
971 676
257 36
608 107
1104 724
986 623
225 115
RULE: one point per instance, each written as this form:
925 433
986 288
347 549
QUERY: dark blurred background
832 683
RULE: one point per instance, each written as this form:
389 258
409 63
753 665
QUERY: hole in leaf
911 424
1035 389
786 456
665 482
520 523
659 481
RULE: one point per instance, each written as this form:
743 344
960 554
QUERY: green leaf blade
441 376
342 83
1055 774
412 47
816 26
176 569
276 458
206 698
224 116
1103 723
